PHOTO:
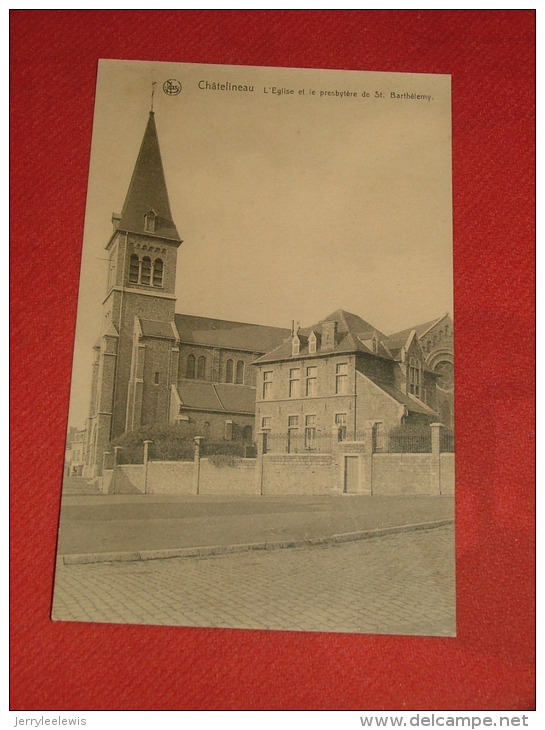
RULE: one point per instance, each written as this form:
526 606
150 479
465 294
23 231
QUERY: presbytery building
340 373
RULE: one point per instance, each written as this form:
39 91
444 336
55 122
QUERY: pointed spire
147 196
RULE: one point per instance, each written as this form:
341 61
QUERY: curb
214 550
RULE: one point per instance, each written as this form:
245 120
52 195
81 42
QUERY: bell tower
136 357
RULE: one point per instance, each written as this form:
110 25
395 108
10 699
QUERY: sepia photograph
261 426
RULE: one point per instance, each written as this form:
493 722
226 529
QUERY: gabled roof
148 190
351 333
229 335
411 403
153 328
421 329
346 322
219 397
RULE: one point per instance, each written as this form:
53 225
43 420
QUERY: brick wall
299 474
376 405
239 478
405 474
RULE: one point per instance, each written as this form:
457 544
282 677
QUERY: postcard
261 428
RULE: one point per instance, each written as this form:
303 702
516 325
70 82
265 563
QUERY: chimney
329 335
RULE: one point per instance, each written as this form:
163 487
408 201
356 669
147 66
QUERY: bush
170 442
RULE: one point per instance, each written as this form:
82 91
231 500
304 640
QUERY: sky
289 205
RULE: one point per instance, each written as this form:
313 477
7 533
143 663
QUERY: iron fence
311 442
241 449
408 439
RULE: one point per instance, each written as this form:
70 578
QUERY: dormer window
295 345
150 220
312 343
375 343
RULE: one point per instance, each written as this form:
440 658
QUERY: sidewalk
100 528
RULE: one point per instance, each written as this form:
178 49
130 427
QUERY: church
153 365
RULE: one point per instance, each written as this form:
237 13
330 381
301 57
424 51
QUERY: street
398 584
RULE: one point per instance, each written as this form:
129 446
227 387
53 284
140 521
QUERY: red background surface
490 665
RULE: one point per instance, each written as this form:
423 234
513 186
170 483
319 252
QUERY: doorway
351 474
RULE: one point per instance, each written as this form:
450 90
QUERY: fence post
436 456
197 460
146 459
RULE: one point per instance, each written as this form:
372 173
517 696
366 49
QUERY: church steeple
147 208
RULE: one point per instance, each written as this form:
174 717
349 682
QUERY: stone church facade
152 365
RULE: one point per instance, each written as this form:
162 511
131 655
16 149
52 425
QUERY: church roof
148 190
220 397
227 334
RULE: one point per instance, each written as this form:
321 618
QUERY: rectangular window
310 432
295 379
156 378
414 377
341 379
267 384
312 381
340 423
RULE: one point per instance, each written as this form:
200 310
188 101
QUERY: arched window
428 346
240 372
134 269
145 273
201 367
229 371
446 330
190 367
158 272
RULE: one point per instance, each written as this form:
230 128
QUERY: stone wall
235 478
299 474
405 474
446 465
170 477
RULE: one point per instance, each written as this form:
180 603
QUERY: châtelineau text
286 91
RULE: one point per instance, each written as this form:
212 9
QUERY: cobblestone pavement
398 584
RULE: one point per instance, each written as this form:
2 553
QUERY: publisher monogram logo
172 87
